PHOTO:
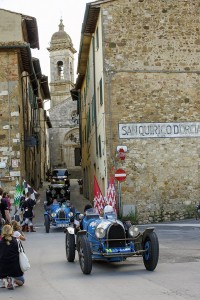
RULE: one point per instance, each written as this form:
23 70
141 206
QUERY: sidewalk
180 223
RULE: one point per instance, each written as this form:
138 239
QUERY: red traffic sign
121 154
120 175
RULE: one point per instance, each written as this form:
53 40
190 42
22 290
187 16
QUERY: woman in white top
17 233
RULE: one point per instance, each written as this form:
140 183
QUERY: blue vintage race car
107 238
59 215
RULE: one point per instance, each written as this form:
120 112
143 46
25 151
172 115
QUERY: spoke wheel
151 255
85 256
46 223
70 247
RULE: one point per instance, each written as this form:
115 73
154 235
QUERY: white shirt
16 234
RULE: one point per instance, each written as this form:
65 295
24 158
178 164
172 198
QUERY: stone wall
9 121
152 67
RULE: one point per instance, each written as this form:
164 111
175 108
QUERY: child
17 233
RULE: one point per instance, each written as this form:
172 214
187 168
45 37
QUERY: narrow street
77 200
52 277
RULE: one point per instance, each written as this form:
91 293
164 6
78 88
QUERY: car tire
70 246
84 253
151 245
46 223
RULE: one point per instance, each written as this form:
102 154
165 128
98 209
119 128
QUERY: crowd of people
26 213
11 232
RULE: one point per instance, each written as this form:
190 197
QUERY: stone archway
70 143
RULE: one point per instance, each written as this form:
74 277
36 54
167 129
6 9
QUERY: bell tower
64 144
61 66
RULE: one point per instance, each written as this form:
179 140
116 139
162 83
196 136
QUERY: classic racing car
61 193
60 177
59 214
107 238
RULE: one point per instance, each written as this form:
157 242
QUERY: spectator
1 217
1 193
22 199
7 198
9 260
17 231
4 208
27 208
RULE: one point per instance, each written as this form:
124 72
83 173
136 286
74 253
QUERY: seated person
55 201
87 206
55 204
109 212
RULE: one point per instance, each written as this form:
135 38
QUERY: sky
48 15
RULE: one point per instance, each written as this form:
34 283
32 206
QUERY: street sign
121 154
120 175
122 147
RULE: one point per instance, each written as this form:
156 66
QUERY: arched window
60 69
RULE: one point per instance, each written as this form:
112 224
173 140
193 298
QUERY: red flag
98 197
111 199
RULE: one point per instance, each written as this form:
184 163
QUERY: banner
27 188
98 197
111 194
18 194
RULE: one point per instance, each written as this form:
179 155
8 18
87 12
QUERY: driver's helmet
108 209
68 203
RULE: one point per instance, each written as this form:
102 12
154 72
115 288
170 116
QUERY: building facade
64 134
138 85
23 87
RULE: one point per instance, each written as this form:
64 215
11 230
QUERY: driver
87 206
109 212
108 209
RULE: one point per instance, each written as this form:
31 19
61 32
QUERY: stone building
23 87
139 85
64 134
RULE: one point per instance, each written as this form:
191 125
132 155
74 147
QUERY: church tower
64 135
61 65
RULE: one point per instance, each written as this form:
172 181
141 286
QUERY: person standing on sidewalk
7 198
27 208
5 210
1 217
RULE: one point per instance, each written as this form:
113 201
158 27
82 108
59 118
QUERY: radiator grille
61 214
116 231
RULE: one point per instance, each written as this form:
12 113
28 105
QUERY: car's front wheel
47 223
151 247
70 246
85 256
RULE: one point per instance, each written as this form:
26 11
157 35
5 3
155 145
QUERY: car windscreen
60 173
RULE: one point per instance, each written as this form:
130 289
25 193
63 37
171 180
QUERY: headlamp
100 232
133 231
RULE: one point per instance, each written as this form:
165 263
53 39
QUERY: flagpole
120 199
